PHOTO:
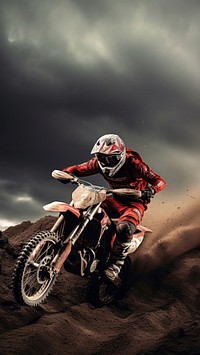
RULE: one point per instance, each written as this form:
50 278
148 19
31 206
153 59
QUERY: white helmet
110 151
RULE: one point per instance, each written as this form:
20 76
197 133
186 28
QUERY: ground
160 313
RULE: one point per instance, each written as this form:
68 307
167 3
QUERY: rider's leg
125 230
126 227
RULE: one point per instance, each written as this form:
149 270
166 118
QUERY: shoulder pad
133 153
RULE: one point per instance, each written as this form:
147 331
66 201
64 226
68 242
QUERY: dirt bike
81 240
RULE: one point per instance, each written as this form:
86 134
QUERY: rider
122 168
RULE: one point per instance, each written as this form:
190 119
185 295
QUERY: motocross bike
81 240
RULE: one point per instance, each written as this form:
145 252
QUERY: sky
72 71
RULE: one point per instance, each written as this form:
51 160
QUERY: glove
147 193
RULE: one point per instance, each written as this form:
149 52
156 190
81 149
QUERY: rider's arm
149 175
90 167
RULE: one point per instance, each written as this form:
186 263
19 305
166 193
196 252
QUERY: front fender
57 206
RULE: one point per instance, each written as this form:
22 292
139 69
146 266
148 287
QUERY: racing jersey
135 173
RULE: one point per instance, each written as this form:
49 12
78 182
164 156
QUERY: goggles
108 160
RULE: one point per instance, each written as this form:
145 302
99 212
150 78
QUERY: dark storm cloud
74 70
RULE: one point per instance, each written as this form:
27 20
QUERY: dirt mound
160 314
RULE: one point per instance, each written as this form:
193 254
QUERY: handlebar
63 175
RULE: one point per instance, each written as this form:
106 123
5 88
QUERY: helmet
110 151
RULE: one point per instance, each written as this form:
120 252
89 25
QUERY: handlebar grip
127 192
63 175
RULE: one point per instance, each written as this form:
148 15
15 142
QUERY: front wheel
102 291
33 276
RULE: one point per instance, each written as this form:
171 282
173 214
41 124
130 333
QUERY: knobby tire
102 292
32 285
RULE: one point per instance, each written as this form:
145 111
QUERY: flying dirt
159 314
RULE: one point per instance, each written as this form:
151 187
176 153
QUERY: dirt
159 314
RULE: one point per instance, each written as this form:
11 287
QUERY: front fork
60 258
58 223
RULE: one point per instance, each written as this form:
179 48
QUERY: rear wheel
33 277
102 291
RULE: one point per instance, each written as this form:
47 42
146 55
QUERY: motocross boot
120 250
119 254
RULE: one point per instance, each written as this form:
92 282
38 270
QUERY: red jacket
133 174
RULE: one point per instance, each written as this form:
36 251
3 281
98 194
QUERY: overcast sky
72 71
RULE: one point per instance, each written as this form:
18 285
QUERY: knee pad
124 230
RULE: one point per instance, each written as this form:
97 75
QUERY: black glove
147 194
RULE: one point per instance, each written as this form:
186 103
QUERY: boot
117 258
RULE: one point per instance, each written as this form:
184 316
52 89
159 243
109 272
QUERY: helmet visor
108 160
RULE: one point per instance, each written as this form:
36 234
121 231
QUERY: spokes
30 282
43 249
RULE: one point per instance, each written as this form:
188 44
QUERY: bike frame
75 234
